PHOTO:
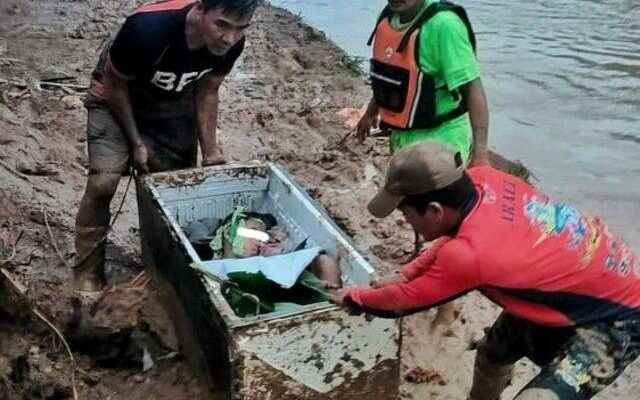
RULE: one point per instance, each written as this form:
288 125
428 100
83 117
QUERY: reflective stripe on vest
395 76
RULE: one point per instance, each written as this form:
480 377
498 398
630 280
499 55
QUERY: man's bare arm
207 110
367 121
479 115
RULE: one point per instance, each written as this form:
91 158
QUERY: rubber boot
489 379
90 258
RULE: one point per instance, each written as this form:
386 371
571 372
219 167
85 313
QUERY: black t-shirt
151 50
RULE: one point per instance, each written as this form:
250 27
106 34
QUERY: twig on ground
19 288
345 137
373 133
11 60
137 279
67 347
40 85
20 84
140 281
73 86
15 248
13 171
53 239
168 356
59 78
21 291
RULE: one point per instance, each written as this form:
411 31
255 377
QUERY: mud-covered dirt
282 102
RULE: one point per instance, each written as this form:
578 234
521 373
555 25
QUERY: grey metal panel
165 255
315 222
192 209
321 355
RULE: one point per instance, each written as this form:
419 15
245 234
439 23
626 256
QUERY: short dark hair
238 8
457 196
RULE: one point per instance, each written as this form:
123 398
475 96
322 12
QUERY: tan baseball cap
417 169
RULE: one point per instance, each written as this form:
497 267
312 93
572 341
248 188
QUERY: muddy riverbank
280 103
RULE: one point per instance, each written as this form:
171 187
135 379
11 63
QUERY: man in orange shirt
569 288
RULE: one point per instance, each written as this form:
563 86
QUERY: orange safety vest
405 95
164 5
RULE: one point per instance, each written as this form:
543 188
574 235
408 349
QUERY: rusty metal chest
315 351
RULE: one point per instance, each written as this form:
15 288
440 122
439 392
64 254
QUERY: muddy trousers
90 255
171 143
576 363
91 231
491 378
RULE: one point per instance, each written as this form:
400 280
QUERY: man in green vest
426 79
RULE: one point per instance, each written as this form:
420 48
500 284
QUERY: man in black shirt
153 96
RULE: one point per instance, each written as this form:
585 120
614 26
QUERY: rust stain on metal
321 351
265 382
196 176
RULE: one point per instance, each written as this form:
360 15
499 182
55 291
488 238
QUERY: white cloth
284 269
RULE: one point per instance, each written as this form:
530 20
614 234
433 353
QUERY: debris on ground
418 375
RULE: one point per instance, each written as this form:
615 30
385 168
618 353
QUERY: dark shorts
576 363
171 142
